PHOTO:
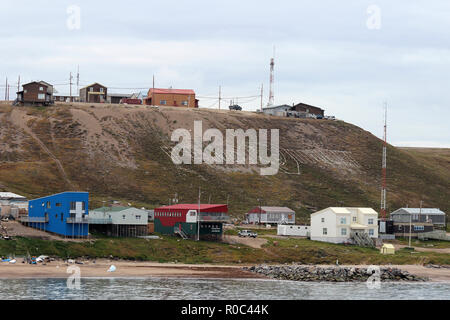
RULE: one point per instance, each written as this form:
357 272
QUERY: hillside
123 153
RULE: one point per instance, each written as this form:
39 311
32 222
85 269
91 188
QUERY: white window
41 96
324 231
163 102
419 228
101 90
343 232
41 88
123 217
184 102
370 232
138 217
370 221
25 91
323 219
343 220
354 219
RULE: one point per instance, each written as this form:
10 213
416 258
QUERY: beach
130 269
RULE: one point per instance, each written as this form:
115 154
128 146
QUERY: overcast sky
347 57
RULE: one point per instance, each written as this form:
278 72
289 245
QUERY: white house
271 215
337 225
287 230
118 215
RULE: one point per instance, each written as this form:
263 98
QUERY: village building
171 97
119 221
303 107
116 98
65 214
36 92
432 216
94 93
341 225
65 98
293 230
12 204
270 215
186 221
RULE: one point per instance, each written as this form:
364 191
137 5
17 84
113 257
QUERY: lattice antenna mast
272 64
384 167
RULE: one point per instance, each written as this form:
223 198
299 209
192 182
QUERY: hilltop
123 153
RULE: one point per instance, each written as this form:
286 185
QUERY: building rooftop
194 207
111 209
171 91
419 211
10 195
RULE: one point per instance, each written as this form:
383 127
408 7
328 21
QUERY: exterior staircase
180 232
362 239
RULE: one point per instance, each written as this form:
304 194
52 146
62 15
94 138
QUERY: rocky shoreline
331 274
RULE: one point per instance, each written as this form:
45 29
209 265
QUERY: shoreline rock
331 274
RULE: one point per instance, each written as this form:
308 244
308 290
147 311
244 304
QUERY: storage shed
387 248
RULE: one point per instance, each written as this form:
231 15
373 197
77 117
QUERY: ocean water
202 289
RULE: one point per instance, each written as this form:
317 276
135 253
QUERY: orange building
172 98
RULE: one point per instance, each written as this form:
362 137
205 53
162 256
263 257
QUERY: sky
347 57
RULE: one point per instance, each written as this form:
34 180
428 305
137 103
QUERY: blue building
64 213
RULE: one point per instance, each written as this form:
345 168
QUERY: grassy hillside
122 153
171 249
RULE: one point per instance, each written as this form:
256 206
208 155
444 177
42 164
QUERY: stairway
362 239
180 232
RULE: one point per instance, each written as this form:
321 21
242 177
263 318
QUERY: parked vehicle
235 107
247 233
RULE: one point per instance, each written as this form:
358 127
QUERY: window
138 217
343 232
163 102
354 219
370 232
56 216
324 231
419 228
58 204
83 205
123 217
184 103
25 91
48 205
101 90
41 96
91 89
62 217
73 205
323 219
343 220
370 221
41 88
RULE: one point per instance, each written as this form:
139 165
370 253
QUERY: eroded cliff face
123 152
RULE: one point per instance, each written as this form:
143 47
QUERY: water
208 289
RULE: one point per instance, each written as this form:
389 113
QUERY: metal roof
419 211
192 207
171 91
10 195
271 210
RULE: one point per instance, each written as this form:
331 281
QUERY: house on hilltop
36 92
94 93
171 97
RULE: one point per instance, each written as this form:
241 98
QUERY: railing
100 221
77 220
180 232
34 219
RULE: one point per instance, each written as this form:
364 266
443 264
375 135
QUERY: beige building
339 225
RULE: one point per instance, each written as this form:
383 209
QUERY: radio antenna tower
383 167
272 64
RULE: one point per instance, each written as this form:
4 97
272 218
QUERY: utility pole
262 90
6 88
410 223
384 167
78 80
153 102
70 82
18 84
198 215
220 89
